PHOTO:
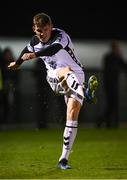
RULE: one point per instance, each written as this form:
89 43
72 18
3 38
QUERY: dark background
81 19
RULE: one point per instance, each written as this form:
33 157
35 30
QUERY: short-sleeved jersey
64 57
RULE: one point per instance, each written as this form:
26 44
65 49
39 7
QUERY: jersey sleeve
32 43
19 61
62 39
29 48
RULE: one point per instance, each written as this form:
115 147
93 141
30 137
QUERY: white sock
69 135
73 83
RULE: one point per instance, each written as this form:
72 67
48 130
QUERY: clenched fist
13 66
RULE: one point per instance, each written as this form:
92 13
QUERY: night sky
80 19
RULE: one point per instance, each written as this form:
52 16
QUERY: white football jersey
64 57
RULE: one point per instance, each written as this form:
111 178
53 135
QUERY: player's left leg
70 131
74 100
69 80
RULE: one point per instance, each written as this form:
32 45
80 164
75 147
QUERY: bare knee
63 71
67 69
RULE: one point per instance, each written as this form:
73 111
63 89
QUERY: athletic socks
69 135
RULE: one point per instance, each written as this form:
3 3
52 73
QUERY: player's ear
33 28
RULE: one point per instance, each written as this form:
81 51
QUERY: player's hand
13 66
28 56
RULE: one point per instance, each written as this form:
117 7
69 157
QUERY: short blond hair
41 19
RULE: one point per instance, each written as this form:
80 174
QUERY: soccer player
65 74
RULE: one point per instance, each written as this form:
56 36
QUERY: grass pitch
96 154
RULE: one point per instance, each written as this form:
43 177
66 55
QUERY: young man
65 74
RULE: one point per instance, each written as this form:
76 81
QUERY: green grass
97 154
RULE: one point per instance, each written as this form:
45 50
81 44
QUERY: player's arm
15 64
50 50
26 55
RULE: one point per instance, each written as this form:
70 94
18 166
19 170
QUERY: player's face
44 33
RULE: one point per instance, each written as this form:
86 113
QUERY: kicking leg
69 80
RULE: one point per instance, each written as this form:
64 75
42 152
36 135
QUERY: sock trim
71 126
